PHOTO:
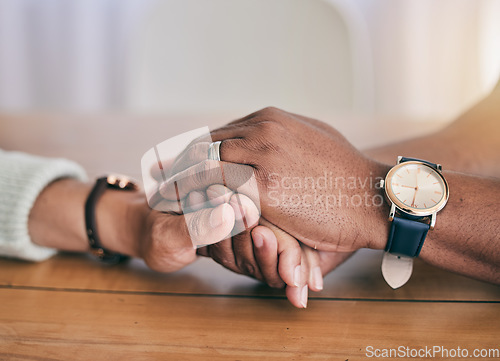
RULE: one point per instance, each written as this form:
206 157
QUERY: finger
195 201
289 255
246 216
223 254
236 150
194 152
237 177
192 155
291 267
158 203
246 212
229 131
265 247
242 127
314 275
203 251
197 177
159 170
297 296
218 194
244 256
209 226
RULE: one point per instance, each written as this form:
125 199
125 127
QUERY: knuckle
276 284
268 114
221 254
269 111
270 127
226 262
247 268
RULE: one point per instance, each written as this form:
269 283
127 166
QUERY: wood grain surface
83 325
73 308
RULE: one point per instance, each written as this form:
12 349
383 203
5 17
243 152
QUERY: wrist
374 220
120 218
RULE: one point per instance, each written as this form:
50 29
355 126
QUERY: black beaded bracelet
101 184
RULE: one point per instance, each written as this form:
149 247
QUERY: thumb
209 226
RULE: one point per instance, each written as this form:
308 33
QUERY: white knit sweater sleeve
22 179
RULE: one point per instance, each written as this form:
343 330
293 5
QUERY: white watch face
417 188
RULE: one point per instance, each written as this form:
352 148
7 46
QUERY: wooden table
73 308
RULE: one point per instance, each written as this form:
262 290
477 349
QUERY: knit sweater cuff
22 179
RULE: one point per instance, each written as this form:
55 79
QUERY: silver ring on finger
214 151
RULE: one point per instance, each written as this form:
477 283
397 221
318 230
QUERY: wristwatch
416 190
101 185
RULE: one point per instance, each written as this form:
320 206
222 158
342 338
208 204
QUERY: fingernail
317 278
303 297
297 276
258 240
217 216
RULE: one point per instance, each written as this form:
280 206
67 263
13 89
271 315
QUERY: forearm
466 238
471 144
57 218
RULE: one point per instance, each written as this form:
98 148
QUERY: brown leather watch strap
95 244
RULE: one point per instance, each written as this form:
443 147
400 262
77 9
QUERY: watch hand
414 196
402 185
416 190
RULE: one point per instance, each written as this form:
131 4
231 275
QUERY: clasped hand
302 220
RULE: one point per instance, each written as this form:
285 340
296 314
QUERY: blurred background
417 58
206 62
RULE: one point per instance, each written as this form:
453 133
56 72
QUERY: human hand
235 252
277 258
303 272
312 183
166 241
